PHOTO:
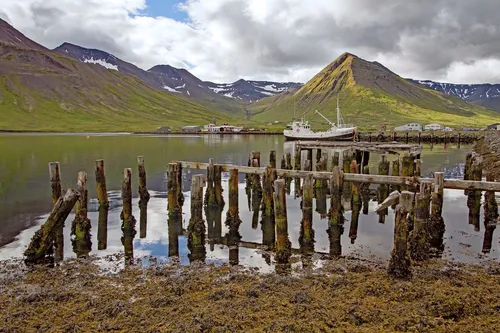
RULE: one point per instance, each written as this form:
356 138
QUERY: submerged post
219 198
41 244
306 237
436 223
365 191
233 216
143 197
474 196
196 228
356 204
80 228
383 189
128 220
399 264
288 166
256 196
335 159
419 240
296 166
336 214
102 197
283 245
55 184
490 203
348 156
210 200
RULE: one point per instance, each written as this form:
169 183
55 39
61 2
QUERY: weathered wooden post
233 216
304 165
219 198
365 191
297 166
268 179
283 162
321 165
467 167
248 186
100 179
318 156
399 264
356 205
283 245
395 172
306 238
196 227
102 197
474 196
336 225
143 197
272 159
256 196
40 247
128 220
418 168
407 168
174 206
335 159
233 238
366 159
419 239
55 184
288 166
80 228
348 156
490 203
383 189
436 226
359 158
210 200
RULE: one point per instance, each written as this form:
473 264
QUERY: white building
433 127
409 128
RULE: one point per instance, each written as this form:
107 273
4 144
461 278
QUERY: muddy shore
345 295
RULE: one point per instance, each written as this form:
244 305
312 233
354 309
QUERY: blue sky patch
166 8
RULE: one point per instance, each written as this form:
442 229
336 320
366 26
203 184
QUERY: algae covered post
399 264
383 189
474 196
143 197
41 245
233 216
306 238
102 198
356 205
436 223
336 214
174 206
128 220
272 159
80 228
196 228
283 245
256 196
55 184
419 239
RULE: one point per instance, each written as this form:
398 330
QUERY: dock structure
417 201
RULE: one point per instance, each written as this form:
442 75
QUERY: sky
454 41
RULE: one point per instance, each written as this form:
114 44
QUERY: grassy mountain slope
370 96
43 90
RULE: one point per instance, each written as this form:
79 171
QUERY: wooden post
395 172
102 193
356 205
336 225
288 166
55 184
365 191
490 203
335 159
219 198
418 168
283 245
419 241
102 228
272 159
196 228
303 161
399 264
128 220
233 238
306 238
283 162
436 226
233 216
268 179
256 196
474 197
407 168
383 189
248 187
297 165
174 208
41 244
366 159
143 197
80 228
347 157
359 158
318 155
210 200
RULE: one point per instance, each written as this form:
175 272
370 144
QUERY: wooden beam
455 184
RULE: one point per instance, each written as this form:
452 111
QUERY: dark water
25 198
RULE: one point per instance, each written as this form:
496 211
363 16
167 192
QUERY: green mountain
46 91
371 96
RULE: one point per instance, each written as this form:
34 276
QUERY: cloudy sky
223 40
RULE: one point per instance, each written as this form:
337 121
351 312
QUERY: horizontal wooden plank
456 184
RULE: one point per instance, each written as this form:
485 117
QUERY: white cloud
277 40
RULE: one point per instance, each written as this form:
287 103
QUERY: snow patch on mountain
101 62
171 89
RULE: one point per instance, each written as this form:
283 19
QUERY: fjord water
25 198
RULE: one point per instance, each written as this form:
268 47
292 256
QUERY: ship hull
344 136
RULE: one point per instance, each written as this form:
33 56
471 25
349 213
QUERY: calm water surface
25 198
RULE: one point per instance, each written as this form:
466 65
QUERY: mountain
371 96
487 95
177 80
44 90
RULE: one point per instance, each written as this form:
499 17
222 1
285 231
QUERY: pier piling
283 245
419 240
196 228
336 214
399 264
55 184
128 220
306 238
80 228
102 198
143 197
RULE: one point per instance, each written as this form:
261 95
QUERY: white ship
301 130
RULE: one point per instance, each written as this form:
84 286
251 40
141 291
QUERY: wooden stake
490 203
174 206
365 191
436 226
474 197
55 184
272 159
306 238
219 198
196 228
336 225
419 239
267 194
102 228
407 168
80 228
348 156
288 166
356 204
383 189
128 220
256 197
102 194
210 200
143 197
335 159
399 265
283 245
233 216
41 244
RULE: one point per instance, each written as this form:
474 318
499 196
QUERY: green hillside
370 96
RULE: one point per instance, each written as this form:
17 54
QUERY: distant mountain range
487 95
176 80
371 96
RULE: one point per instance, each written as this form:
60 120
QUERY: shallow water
25 198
